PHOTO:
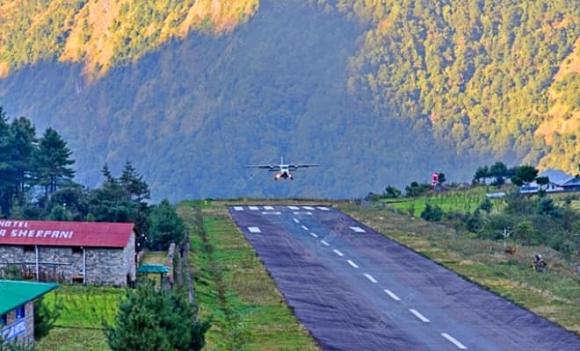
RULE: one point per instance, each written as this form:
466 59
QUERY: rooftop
76 234
153 268
16 293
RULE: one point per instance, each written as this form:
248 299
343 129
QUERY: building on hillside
533 187
572 184
17 309
83 252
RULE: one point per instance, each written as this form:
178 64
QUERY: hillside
378 92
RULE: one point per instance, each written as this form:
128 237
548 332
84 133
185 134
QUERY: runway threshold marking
454 341
294 208
352 263
324 243
419 315
314 234
308 208
268 208
254 230
357 229
304 227
322 208
371 278
296 220
392 295
276 213
308 213
253 208
238 208
338 253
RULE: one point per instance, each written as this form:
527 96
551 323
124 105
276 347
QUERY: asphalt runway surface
355 289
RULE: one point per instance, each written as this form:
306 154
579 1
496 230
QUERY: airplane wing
271 168
302 165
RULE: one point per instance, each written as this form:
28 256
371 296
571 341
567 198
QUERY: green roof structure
15 293
153 268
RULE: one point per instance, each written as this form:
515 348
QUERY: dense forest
37 183
377 91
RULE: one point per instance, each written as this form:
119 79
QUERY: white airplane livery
284 171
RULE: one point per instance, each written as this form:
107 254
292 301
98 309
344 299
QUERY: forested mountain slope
377 91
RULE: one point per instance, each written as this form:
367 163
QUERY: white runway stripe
352 263
419 315
254 230
454 341
338 253
238 208
309 208
314 234
392 295
254 208
371 278
324 243
357 229
294 208
323 208
275 213
296 220
268 208
304 227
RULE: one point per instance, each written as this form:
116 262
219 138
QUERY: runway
355 289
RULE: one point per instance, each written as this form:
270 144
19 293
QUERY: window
21 312
77 250
3 320
28 248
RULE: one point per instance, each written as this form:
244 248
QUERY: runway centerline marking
357 229
324 243
293 208
296 220
454 341
238 208
352 263
308 213
371 278
268 208
308 208
419 315
323 208
304 227
253 208
338 253
254 230
392 295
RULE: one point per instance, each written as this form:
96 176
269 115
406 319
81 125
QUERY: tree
481 173
526 173
486 205
542 180
45 317
156 320
392 193
23 140
442 178
133 183
432 213
53 161
166 226
499 171
7 179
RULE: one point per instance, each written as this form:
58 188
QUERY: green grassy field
235 291
84 309
554 294
458 201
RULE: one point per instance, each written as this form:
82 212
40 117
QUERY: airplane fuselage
284 173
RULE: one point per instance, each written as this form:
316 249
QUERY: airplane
283 170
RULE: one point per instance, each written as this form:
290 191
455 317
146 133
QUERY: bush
432 213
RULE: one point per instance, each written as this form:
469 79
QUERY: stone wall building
83 252
17 310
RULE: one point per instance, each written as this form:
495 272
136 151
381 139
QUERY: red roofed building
87 252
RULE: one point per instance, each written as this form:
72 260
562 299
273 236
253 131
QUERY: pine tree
7 180
23 140
53 161
133 183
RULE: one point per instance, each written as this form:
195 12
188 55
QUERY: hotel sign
21 229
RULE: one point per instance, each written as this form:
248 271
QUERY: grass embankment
233 288
84 309
554 294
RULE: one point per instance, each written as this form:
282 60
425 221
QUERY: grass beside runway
554 295
233 288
